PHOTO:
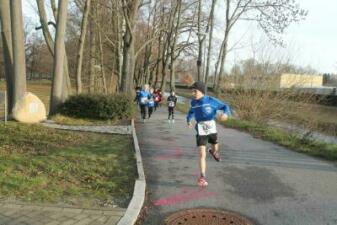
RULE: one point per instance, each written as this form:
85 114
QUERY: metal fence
3 104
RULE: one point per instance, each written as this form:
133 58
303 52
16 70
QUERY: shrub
103 107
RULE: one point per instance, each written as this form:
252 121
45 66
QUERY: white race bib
206 127
171 104
143 100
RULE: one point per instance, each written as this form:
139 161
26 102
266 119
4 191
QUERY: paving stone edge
137 201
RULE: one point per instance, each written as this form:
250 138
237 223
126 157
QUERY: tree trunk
224 49
66 79
18 51
119 52
56 93
216 67
163 81
92 72
173 47
102 62
6 36
54 9
126 67
50 44
222 64
81 46
210 39
201 39
172 76
130 11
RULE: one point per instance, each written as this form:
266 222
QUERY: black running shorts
203 140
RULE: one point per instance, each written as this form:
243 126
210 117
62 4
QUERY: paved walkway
12 213
264 182
16 214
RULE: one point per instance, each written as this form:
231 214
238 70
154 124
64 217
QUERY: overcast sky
310 42
316 37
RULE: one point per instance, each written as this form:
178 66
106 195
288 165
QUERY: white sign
33 107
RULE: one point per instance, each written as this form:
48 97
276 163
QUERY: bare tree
273 16
93 60
66 82
50 43
56 92
19 60
81 46
130 11
201 39
6 36
210 27
173 45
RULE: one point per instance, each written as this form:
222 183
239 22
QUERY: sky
316 37
311 42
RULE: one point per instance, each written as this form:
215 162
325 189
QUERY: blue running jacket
205 109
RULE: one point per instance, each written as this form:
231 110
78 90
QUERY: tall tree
173 45
273 16
19 60
210 28
81 46
56 92
6 36
93 60
130 12
66 87
201 39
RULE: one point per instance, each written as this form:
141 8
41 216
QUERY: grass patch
291 141
66 120
315 117
39 164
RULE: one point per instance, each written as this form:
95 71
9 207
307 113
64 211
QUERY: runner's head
146 87
173 93
198 90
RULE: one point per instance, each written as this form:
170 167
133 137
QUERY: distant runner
144 96
171 104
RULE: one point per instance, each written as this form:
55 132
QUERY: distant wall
300 80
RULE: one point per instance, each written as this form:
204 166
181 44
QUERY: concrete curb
131 215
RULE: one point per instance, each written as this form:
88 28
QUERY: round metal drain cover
206 217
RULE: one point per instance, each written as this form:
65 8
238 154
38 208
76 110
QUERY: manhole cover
206 217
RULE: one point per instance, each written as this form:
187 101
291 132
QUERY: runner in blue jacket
144 96
204 110
150 103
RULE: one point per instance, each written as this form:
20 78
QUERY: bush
103 107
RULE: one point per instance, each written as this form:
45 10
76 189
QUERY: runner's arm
222 106
190 115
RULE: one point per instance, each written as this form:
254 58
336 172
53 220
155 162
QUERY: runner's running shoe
202 182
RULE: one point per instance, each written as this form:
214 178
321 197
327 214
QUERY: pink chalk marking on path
187 195
176 155
196 173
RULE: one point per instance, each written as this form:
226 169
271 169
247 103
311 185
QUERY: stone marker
29 109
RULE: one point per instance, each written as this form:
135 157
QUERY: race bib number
171 104
206 127
143 100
